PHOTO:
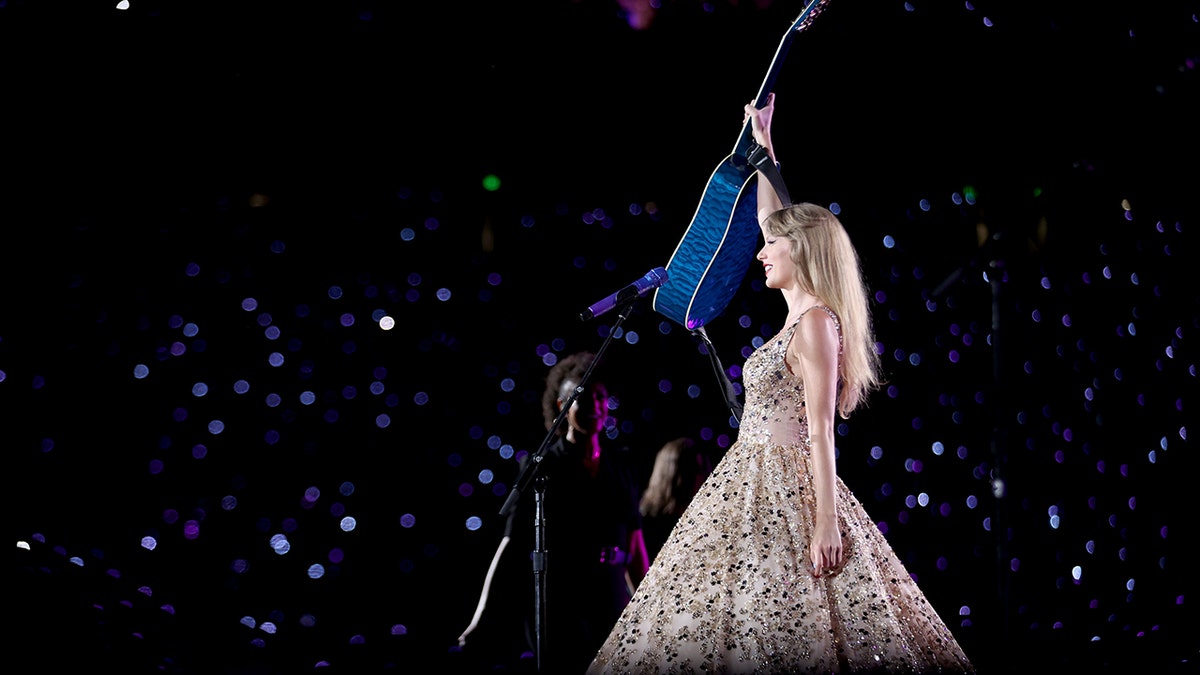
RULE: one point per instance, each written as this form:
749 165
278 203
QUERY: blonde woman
775 567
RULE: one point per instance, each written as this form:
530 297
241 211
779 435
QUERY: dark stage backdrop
282 282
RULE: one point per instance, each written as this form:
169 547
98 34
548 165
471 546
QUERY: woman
678 472
775 567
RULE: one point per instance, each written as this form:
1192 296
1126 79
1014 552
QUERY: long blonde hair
827 266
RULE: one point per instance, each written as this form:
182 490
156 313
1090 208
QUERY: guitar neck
801 24
712 258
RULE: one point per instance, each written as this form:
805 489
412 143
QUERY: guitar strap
762 161
727 390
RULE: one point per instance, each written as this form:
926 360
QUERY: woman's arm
815 343
768 198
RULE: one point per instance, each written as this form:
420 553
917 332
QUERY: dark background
250 167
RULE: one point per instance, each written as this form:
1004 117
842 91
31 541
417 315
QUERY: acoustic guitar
711 260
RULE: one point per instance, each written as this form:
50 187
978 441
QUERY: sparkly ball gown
731 591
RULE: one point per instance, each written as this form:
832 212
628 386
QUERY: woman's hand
761 120
826 547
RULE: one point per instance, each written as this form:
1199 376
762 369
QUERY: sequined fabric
730 591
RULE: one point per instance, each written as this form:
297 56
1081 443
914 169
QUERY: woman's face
776 257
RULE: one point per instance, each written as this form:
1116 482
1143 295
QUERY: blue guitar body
711 260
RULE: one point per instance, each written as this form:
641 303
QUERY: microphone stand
529 474
990 263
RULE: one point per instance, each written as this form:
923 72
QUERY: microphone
653 279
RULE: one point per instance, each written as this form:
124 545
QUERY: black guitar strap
762 161
727 390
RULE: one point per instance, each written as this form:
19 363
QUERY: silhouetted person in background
593 538
679 469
